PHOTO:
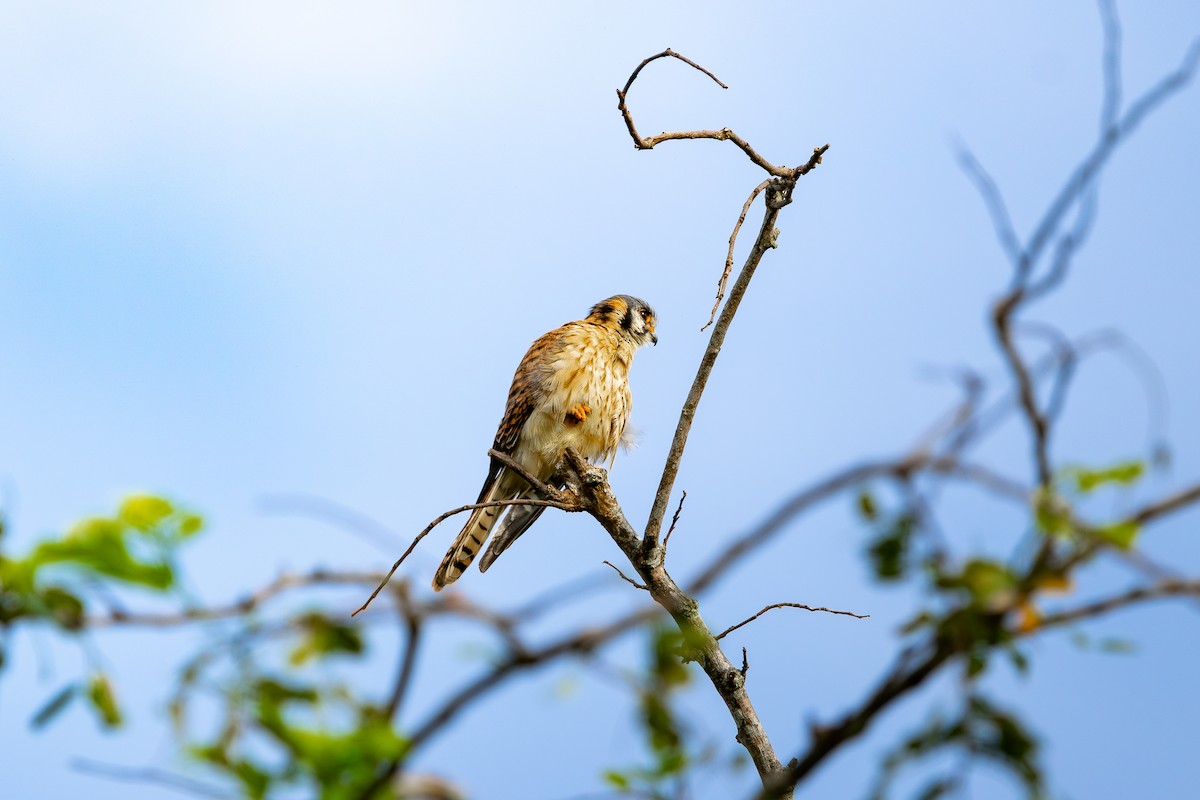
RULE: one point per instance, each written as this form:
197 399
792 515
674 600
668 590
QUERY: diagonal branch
764 242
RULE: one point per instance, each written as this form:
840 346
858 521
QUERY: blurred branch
412 623
248 604
1163 589
151 775
898 469
349 519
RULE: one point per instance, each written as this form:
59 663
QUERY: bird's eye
645 313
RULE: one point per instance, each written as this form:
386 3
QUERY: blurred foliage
58 581
270 740
981 731
666 672
978 607
276 735
280 720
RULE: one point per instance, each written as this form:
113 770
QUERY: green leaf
1019 660
1052 513
101 545
889 551
977 661
54 706
325 637
1125 473
190 525
666 666
617 780
144 511
1121 534
63 607
104 701
867 506
989 582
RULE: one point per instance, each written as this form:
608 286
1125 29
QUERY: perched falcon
571 390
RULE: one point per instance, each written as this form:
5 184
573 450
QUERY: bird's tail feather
469 541
517 521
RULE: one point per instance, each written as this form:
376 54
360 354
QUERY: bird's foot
577 413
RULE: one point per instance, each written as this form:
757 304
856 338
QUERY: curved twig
729 257
565 506
748 620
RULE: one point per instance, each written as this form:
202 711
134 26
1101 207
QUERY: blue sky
300 247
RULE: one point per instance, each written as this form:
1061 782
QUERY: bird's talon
577 413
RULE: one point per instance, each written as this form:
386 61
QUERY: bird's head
627 315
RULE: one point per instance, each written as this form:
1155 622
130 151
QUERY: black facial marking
604 310
627 320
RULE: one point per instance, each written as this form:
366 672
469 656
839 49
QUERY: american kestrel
570 390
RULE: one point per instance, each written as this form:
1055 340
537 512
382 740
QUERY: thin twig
729 256
675 519
442 518
148 775
722 135
626 578
669 53
733 628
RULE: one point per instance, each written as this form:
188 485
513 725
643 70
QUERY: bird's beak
654 338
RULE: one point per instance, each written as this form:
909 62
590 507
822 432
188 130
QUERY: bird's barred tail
468 543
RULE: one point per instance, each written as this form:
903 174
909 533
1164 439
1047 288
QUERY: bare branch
724 134
747 621
626 578
591 485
